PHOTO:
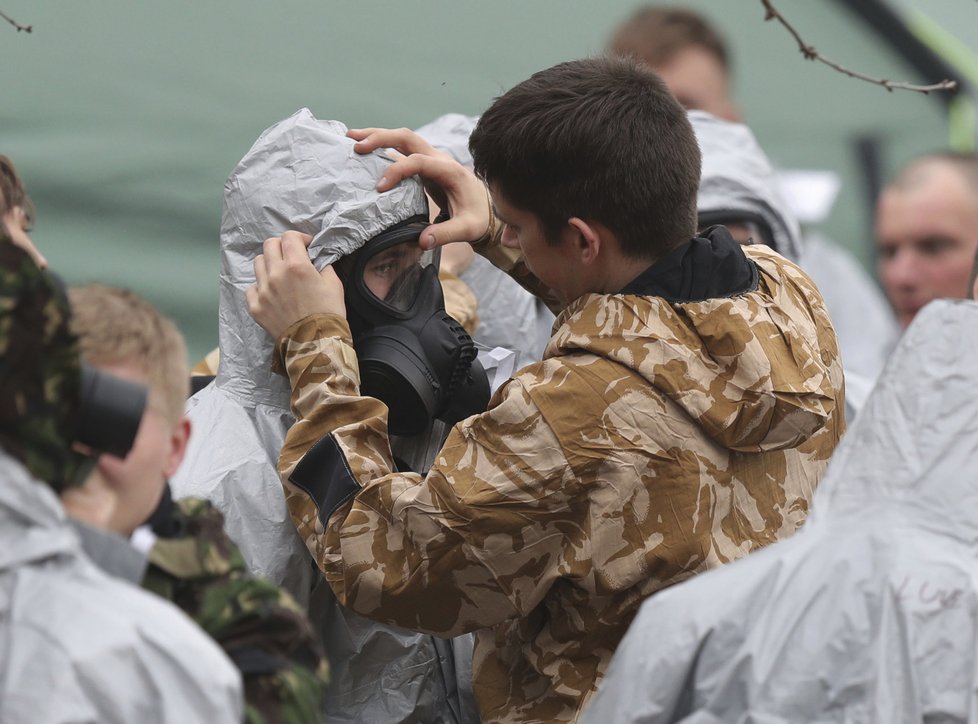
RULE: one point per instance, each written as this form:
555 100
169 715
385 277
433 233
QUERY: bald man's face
927 236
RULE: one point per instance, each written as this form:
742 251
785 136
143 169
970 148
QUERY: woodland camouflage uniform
662 435
40 367
261 628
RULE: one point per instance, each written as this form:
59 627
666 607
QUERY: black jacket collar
706 267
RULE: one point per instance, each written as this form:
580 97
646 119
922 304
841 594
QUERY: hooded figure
75 644
509 315
738 185
303 174
870 613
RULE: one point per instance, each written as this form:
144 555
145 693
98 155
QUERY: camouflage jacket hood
737 177
751 381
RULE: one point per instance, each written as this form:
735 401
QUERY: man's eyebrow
495 212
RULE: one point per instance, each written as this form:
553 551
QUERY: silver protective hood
870 613
737 176
509 316
79 646
303 174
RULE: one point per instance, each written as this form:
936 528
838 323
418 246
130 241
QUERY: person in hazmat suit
303 173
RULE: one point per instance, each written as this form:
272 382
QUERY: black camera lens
111 411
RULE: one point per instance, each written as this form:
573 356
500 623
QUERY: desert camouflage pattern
40 370
260 626
653 442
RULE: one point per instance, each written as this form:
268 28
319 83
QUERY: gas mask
413 357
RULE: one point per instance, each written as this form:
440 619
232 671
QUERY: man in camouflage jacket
194 564
684 410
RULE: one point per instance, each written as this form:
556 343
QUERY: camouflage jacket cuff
309 329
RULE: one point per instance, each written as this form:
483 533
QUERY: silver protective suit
303 174
79 646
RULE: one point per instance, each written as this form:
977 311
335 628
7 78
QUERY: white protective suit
737 177
509 316
78 646
870 612
303 174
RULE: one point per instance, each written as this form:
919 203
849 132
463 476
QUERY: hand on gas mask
288 288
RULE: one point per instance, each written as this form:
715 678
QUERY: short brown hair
653 35
12 191
117 327
602 139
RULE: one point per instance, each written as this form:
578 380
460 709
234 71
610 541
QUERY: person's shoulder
201 548
126 644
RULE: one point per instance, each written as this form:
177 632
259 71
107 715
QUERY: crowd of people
477 404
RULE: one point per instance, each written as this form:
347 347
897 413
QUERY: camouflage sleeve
261 628
476 542
460 302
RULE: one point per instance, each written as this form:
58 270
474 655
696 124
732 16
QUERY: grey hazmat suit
509 315
870 612
738 177
79 646
303 174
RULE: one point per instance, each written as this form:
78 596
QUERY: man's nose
902 269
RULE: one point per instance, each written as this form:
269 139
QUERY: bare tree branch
809 52
18 26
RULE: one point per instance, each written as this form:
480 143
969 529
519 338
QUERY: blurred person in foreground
694 61
187 558
870 612
76 645
18 217
927 231
688 401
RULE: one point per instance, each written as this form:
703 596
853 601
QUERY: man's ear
588 238
179 437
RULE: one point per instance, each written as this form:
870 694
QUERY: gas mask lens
393 274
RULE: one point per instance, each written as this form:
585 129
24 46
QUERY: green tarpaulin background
125 118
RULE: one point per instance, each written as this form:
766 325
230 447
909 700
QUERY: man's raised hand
449 183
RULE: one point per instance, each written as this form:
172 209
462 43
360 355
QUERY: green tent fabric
125 118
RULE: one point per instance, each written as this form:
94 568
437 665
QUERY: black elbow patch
325 476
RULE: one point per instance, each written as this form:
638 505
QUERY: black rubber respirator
413 356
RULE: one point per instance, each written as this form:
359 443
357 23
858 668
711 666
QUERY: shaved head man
927 232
